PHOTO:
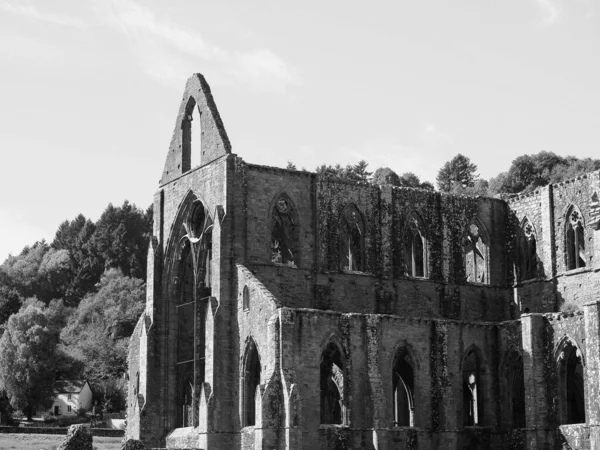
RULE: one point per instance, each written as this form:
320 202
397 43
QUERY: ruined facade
288 311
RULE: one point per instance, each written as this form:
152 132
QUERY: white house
71 396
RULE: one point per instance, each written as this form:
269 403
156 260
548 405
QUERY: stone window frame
574 221
414 224
404 353
474 397
183 239
292 214
251 378
566 350
350 217
484 236
527 258
340 375
187 139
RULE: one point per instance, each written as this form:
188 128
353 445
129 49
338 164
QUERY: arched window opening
515 384
527 249
575 239
191 137
415 248
352 239
472 405
403 391
332 385
252 371
283 232
476 255
571 385
246 299
191 292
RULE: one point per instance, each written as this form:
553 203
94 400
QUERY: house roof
69 386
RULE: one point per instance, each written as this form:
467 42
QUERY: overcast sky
90 90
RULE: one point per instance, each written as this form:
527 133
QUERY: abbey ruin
288 311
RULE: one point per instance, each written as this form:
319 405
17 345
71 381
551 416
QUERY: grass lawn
10 441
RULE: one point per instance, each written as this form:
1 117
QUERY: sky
90 90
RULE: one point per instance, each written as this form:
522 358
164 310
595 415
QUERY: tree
27 360
385 175
459 170
291 166
97 333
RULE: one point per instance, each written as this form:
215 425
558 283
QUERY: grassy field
50 442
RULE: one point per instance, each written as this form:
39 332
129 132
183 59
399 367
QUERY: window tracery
476 254
415 248
332 385
352 239
528 260
571 383
283 232
575 239
404 390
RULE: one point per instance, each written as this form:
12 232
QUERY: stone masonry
288 311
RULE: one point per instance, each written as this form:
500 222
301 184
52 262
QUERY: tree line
459 175
68 308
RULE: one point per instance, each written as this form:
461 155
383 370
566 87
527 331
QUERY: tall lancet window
415 248
472 404
527 251
352 232
284 232
476 254
574 239
403 379
332 385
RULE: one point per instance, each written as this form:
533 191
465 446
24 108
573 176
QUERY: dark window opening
403 391
352 240
251 382
528 261
476 255
515 385
283 232
191 137
472 404
571 385
246 299
415 247
332 386
575 240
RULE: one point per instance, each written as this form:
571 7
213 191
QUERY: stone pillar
592 371
536 390
290 394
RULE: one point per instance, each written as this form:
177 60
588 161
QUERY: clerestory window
352 232
527 249
415 248
476 254
574 239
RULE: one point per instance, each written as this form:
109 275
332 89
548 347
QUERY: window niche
514 380
527 251
574 239
352 241
570 384
332 385
246 299
476 254
403 378
415 248
284 232
472 402
191 137
252 370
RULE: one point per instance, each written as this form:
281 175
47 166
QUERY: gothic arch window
352 239
472 390
191 137
574 239
191 290
252 371
570 384
476 254
527 251
246 299
284 233
415 247
403 379
332 384
515 388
